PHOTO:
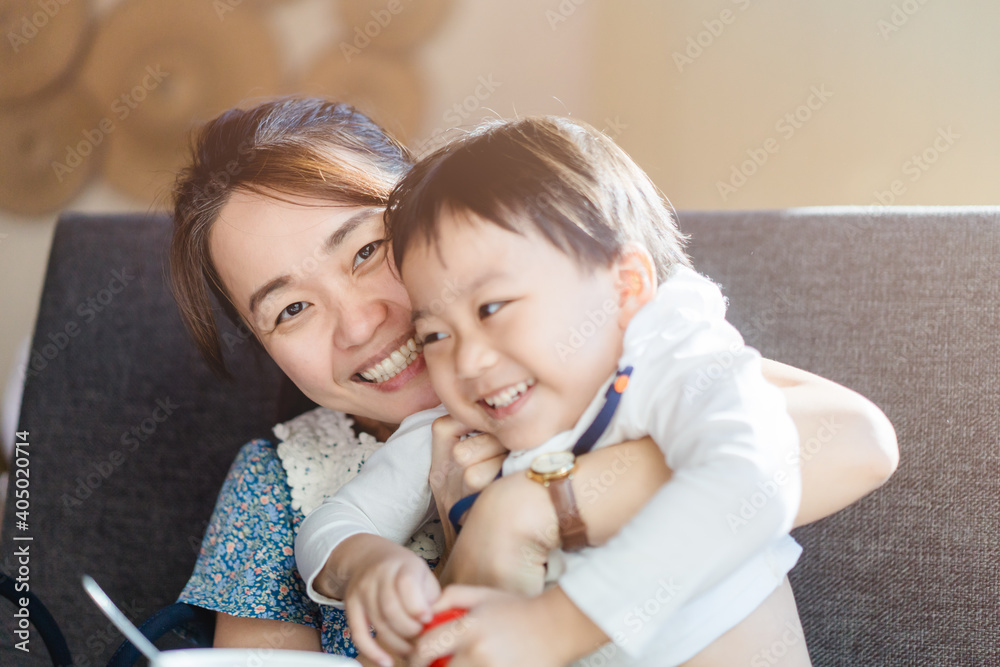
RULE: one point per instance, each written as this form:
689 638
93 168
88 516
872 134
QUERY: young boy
557 311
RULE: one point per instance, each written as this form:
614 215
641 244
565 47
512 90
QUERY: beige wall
894 73
612 63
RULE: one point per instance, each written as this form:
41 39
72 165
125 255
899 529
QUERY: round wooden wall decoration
395 25
48 150
143 169
389 90
161 67
40 41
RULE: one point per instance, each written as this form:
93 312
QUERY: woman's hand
460 468
503 629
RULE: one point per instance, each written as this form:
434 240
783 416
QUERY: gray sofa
131 436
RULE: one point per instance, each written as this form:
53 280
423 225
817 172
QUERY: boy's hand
503 629
506 538
393 593
460 467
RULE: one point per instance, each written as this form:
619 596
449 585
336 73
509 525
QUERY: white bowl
249 657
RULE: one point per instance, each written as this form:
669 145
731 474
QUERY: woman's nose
473 356
357 322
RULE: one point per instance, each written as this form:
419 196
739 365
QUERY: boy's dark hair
560 177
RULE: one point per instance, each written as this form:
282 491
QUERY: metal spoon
118 618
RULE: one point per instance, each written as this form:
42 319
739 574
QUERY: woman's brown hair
291 147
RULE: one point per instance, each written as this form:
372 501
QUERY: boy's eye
291 311
488 309
432 337
366 252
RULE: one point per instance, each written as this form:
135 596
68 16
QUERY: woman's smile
341 329
396 369
397 361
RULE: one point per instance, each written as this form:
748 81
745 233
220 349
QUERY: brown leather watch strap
572 530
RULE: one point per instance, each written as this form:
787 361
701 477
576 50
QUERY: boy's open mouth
394 363
506 401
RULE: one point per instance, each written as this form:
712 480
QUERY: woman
280 217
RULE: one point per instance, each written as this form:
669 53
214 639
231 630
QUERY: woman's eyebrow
265 290
334 241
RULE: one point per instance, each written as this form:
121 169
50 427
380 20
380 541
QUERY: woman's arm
238 632
847 447
241 516
509 551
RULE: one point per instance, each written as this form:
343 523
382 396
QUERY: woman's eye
490 308
366 252
432 337
291 311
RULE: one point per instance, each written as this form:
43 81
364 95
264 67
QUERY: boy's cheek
442 380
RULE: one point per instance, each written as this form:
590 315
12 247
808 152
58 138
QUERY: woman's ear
635 281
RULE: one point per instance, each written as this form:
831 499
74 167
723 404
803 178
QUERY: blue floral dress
246 565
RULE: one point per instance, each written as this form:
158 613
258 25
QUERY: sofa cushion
130 434
900 304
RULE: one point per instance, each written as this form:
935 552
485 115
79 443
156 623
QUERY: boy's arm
735 487
861 454
390 498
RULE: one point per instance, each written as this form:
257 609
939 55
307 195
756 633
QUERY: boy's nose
473 357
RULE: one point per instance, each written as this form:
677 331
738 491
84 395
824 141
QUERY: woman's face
315 285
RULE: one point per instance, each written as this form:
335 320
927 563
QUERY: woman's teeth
395 363
509 395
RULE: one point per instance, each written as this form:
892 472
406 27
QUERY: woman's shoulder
254 452
256 484
246 563
256 464
320 451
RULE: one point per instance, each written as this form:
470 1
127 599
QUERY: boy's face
518 337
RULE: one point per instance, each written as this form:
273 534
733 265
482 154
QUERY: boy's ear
635 281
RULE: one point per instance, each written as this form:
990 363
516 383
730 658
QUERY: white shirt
716 528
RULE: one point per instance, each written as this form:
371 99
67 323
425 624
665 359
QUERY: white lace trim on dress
320 452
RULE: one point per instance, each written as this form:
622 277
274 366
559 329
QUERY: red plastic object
441 618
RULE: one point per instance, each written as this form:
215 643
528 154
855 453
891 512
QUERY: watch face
547 464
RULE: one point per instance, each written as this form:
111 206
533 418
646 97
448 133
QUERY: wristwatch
555 472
